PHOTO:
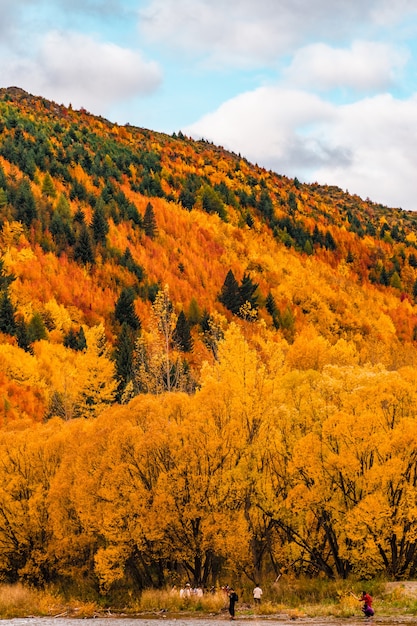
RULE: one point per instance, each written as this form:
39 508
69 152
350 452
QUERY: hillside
247 345
76 237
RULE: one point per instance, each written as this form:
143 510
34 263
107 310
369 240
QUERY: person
367 604
257 594
233 598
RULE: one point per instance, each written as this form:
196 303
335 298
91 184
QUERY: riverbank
315 603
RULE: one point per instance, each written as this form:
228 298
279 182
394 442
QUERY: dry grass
155 600
20 601
292 598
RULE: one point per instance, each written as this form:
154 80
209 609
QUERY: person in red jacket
367 604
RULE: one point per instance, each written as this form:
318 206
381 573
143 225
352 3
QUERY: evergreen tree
83 249
265 205
3 197
383 277
230 293
100 225
270 305
194 313
129 263
124 311
247 291
36 328
48 188
212 333
22 335
124 358
3 180
61 224
81 340
395 281
273 310
349 257
329 242
149 222
70 339
5 278
308 247
205 320
182 334
25 204
212 203
292 203
75 340
79 216
7 314
187 198
412 260
317 236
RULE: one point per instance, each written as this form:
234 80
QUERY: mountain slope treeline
245 343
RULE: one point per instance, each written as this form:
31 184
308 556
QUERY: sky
321 90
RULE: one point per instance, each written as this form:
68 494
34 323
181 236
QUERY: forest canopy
207 369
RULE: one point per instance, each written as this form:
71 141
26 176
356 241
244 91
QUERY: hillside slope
102 225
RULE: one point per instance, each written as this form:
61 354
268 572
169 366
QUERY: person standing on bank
257 594
233 598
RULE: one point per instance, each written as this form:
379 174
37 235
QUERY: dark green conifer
22 335
265 205
270 305
25 204
83 249
7 314
182 334
124 358
230 293
48 188
36 328
100 225
124 311
149 222
247 291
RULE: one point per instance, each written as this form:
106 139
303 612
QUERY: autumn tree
29 464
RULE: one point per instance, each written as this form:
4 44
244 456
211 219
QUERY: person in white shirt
257 594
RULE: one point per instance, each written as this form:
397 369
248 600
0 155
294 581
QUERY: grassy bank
292 598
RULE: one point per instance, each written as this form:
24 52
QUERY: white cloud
387 12
261 124
10 19
365 66
252 32
381 135
71 67
369 147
